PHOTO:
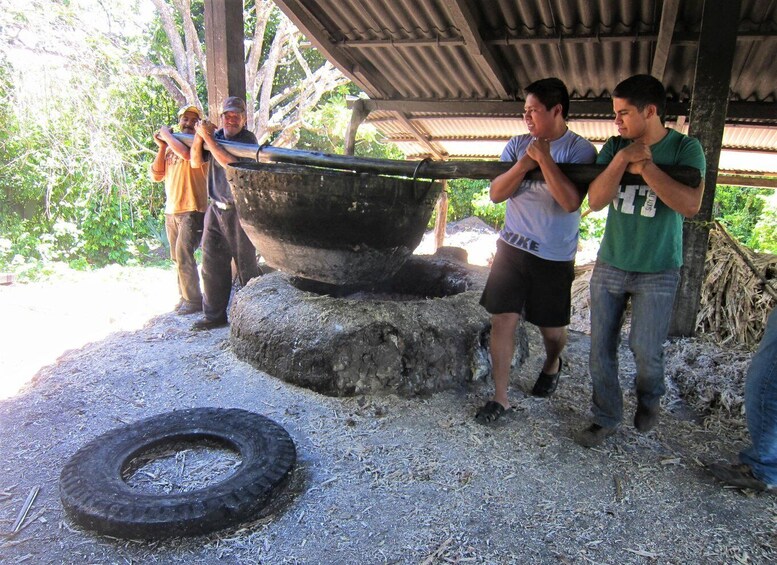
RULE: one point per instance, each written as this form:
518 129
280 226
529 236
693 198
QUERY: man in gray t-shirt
533 269
223 238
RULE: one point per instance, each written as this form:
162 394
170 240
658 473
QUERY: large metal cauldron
337 227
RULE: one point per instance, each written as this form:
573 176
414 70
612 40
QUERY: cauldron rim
291 168
330 225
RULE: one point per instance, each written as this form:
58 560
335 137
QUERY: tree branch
165 12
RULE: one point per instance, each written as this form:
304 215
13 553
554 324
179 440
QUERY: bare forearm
560 187
197 158
605 186
158 169
505 185
679 197
178 147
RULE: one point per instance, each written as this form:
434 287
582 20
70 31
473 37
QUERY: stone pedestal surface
369 343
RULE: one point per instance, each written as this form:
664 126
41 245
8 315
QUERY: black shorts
522 283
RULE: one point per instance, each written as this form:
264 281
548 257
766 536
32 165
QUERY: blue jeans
761 407
652 300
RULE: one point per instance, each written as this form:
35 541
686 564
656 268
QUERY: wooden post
709 104
359 113
224 53
442 217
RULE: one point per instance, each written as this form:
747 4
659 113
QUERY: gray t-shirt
218 186
534 221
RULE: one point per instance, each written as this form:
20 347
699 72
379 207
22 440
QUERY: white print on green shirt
628 194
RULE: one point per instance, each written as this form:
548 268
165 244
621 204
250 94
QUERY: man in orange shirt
187 199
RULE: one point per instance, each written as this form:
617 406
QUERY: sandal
546 384
489 413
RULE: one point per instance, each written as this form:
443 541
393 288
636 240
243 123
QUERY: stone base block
423 332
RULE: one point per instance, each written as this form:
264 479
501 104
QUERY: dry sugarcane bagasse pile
735 300
710 371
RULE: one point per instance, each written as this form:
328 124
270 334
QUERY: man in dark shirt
223 238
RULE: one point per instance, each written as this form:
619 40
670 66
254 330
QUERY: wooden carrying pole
580 175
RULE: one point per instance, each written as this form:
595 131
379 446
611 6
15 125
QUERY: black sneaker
646 418
739 476
206 324
593 435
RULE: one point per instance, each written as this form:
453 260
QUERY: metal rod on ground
25 509
580 175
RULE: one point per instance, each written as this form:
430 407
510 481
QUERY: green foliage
739 209
21 157
592 225
490 213
76 186
76 147
469 197
765 231
105 233
325 130
461 196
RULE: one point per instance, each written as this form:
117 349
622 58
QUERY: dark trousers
223 240
184 232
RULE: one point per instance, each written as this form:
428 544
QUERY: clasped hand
204 129
162 137
538 149
637 156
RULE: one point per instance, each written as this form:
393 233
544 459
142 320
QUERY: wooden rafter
314 27
737 110
746 180
420 136
688 38
664 41
464 19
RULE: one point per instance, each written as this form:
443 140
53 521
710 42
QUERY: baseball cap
233 104
194 109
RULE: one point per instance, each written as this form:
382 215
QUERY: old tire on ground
96 497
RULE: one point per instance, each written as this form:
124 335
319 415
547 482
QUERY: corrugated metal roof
419 49
437 52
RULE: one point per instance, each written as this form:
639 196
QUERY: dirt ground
383 479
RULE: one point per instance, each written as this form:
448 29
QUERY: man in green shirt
641 252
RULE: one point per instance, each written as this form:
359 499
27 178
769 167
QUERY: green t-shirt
642 233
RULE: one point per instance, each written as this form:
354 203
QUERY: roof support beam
664 41
420 136
225 54
763 111
464 18
315 26
358 114
707 118
399 138
679 38
746 180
